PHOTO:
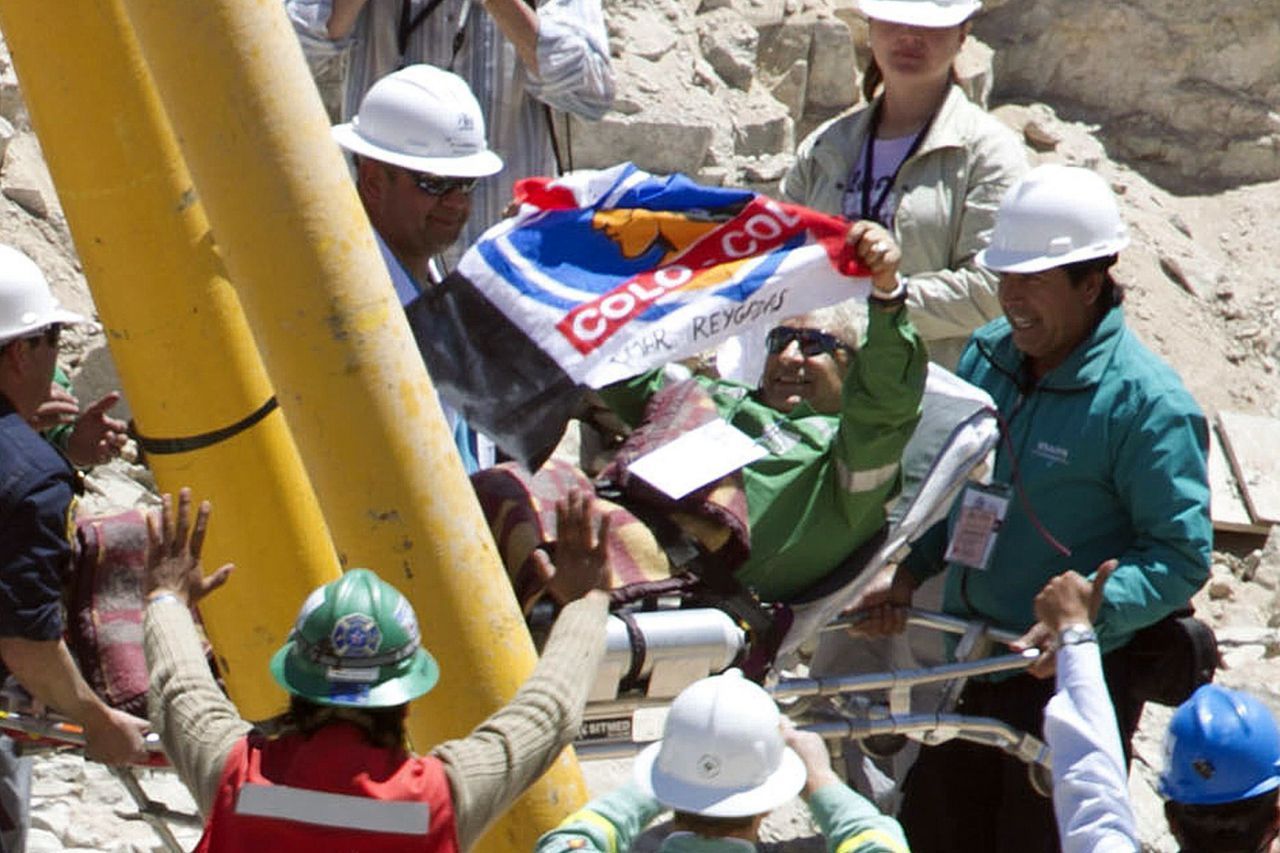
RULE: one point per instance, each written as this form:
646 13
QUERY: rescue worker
339 777
37 495
419 148
726 759
1221 779
1104 458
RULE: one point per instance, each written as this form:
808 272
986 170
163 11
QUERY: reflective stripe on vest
865 481
337 810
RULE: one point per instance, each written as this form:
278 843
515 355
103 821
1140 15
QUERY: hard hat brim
308 680
918 14
480 164
781 785
45 318
1003 260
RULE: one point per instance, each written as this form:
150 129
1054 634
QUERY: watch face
1076 634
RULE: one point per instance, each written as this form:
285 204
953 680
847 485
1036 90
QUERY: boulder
833 66
728 42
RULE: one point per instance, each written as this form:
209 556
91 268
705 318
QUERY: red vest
330 792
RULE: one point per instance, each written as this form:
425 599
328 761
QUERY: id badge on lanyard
982 511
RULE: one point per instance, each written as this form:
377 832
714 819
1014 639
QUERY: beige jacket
487 770
949 191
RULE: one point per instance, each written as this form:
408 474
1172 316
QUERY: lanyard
873 211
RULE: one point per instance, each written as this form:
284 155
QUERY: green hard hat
356 644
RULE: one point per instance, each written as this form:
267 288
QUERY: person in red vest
338 776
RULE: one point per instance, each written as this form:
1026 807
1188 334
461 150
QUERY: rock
1220 589
833 83
53 816
974 70
1173 269
789 89
762 125
7 133
29 199
1040 137
615 139
43 841
729 43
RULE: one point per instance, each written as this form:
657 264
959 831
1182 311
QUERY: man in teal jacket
1104 459
834 423
726 759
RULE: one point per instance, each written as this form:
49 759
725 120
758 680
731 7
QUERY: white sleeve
1090 780
574 70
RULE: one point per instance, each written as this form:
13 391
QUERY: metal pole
175 327
336 344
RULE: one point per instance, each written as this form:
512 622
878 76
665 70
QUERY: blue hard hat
1222 746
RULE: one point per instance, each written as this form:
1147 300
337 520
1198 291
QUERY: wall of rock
1186 91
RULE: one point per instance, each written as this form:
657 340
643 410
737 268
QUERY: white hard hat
721 753
421 118
921 13
27 305
1056 215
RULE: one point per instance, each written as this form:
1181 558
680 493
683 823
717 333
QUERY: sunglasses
434 185
812 342
50 333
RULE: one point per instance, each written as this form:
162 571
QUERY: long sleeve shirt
1090 777
487 770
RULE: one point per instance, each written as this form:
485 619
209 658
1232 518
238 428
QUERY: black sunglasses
812 341
434 185
50 333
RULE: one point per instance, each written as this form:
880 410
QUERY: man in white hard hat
1105 460
37 493
419 147
726 759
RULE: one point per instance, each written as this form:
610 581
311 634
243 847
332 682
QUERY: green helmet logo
355 643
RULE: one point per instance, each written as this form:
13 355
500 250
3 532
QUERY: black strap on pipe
164 446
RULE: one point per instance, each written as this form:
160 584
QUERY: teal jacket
1111 456
610 824
821 490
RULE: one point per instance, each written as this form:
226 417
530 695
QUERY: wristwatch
1074 635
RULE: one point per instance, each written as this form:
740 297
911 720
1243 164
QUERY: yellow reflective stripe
866 836
865 481
599 822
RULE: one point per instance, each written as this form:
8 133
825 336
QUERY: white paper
696 458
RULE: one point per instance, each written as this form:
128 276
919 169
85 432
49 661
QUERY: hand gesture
97 437
1067 599
173 559
60 407
813 751
582 561
875 247
115 737
884 602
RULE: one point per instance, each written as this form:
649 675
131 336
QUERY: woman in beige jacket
938 166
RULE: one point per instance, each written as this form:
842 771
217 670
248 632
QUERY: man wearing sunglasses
37 491
834 419
419 148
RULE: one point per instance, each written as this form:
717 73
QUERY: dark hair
1237 827
383 727
711 827
1112 292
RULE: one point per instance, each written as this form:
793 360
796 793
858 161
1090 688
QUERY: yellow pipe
174 325
340 353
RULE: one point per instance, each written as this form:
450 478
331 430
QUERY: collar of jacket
689 842
840 149
1083 368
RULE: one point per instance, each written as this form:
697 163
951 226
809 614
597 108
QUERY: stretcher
657 651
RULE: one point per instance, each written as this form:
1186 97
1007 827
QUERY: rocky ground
722 89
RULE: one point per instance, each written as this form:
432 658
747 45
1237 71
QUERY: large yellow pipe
340 353
174 325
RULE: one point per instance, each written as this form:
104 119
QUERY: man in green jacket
1104 460
834 420
726 759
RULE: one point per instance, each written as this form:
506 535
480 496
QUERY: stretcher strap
164 446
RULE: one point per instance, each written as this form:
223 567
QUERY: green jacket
821 490
948 194
610 824
1111 453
